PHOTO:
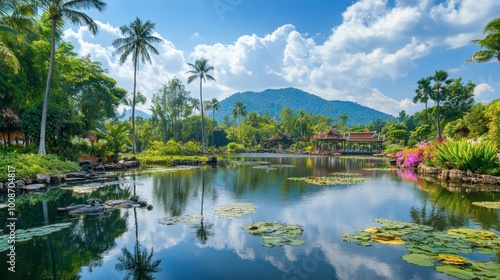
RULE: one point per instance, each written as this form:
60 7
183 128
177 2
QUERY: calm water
132 242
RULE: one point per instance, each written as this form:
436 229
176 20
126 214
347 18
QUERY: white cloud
483 93
376 41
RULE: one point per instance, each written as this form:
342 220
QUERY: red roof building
350 142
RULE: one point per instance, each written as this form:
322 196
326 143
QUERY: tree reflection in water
203 231
140 264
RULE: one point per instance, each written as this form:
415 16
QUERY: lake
127 242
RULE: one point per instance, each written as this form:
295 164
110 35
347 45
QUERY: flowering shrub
423 153
89 146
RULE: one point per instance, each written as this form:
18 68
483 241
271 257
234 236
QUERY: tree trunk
133 102
43 123
438 121
202 119
213 123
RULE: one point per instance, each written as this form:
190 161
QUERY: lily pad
418 259
488 204
276 234
428 247
345 174
235 210
324 181
27 234
455 271
379 169
187 219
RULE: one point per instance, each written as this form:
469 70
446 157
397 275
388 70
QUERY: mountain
273 100
138 113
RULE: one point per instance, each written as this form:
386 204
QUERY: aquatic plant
187 219
434 248
23 235
235 210
324 181
488 204
276 234
346 174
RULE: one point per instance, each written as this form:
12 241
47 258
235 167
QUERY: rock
488 179
133 158
32 187
100 167
456 175
212 160
28 181
469 173
445 174
55 179
85 162
19 184
86 168
131 164
1 186
42 178
74 180
122 161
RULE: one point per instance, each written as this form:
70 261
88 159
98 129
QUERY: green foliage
393 149
235 148
479 155
28 165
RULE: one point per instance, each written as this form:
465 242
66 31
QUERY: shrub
473 155
191 148
235 148
28 165
393 149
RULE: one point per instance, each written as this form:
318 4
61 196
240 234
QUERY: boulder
445 174
456 175
55 179
488 179
19 184
42 179
100 167
28 181
85 162
32 187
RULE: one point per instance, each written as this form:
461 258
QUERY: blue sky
371 52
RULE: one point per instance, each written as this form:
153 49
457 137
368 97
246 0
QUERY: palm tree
58 11
440 79
200 69
423 92
490 44
302 121
215 106
239 110
137 41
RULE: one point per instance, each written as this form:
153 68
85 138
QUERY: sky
371 52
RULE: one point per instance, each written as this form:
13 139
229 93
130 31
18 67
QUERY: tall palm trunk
43 126
202 119
133 101
438 121
213 123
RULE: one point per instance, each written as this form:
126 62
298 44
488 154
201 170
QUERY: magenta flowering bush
413 160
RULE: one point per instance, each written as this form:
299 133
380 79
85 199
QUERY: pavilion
349 142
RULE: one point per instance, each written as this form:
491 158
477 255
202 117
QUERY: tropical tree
490 44
200 69
58 12
15 16
215 105
302 122
138 42
441 80
423 92
239 110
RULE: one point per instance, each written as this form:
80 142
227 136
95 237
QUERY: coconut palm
137 41
441 80
490 44
200 69
215 105
423 92
60 11
239 110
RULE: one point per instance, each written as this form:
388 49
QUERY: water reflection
131 242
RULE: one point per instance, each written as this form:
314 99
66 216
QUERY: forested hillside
273 100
